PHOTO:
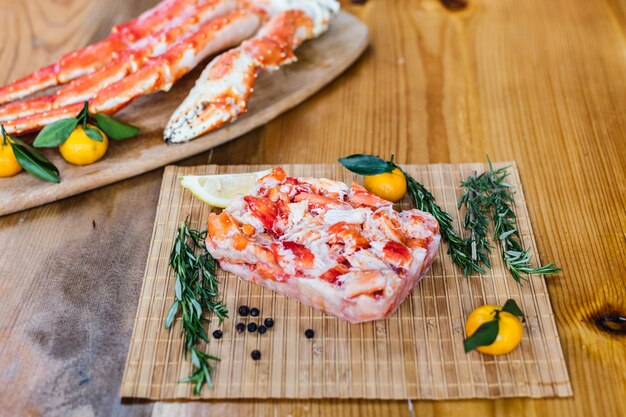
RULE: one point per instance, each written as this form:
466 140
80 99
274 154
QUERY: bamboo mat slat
417 353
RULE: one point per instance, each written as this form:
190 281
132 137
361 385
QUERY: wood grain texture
319 62
415 353
541 83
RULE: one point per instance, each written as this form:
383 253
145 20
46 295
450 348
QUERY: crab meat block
338 249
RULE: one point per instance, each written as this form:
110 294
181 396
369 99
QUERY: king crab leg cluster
124 62
213 25
157 73
92 57
145 61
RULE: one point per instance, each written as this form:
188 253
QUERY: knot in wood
455 5
613 323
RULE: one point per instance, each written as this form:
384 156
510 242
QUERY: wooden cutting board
319 62
415 353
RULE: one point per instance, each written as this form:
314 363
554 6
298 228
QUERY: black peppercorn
309 333
244 310
254 312
252 327
256 355
217 334
240 327
262 329
269 323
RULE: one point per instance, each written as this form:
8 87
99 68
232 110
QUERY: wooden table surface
539 82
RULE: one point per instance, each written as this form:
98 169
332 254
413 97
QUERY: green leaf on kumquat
55 133
485 335
94 134
115 129
33 162
510 306
363 164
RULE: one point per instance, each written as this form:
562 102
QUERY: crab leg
222 91
163 71
124 62
158 73
92 57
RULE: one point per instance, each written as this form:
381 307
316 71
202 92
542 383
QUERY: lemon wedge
218 190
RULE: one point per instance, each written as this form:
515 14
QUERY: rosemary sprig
425 201
476 221
196 291
499 201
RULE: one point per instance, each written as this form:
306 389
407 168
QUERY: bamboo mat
417 353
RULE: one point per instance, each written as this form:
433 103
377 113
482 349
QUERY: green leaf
366 164
510 306
114 128
198 387
202 334
195 359
94 134
507 234
171 314
55 133
33 151
485 335
551 268
197 307
207 376
178 289
33 162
